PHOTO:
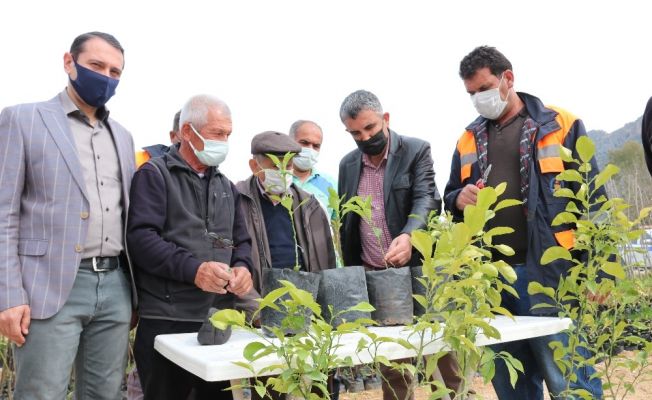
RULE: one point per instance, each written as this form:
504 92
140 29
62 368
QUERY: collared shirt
371 184
99 161
317 184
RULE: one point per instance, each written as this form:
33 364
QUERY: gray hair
298 124
358 101
196 110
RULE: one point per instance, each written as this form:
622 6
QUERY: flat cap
276 143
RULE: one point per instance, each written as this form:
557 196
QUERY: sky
274 62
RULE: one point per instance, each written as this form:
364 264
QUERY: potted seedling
304 359
595 293
389 288
270 316
462 286
343 288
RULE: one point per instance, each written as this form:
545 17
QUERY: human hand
213 276
14 323
399 251
240 282
468 196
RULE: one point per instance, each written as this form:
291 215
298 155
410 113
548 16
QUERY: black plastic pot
390 292
210 335
343 288
307 281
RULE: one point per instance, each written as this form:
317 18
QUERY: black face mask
374 145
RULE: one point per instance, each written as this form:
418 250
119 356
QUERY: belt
100 264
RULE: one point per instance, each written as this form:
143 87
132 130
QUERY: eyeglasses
219 242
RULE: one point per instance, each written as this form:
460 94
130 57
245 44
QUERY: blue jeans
90 331
536 356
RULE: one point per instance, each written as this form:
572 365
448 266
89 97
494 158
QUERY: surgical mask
306 159
275 182
489 104
374 145
94 88
214 152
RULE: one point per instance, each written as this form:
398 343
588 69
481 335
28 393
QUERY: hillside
608 141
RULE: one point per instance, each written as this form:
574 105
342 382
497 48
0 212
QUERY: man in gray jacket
65 168
268 223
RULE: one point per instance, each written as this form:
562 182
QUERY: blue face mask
94 88
214 152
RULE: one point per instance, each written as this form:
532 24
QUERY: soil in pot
307 281
343 288
390 292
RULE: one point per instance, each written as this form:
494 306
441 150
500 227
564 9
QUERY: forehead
98 49
482 78
364 119
309 131
217 117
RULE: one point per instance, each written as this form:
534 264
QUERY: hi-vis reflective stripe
548 147
468 155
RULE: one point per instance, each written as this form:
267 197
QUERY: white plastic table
215 363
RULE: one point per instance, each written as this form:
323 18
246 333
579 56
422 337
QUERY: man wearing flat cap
268 222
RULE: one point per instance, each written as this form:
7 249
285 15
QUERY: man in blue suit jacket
65 281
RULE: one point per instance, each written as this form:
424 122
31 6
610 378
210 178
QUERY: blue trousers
536 356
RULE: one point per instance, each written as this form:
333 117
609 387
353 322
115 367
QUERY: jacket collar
174 160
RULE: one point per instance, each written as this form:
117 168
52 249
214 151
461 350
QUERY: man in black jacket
397 172
189 243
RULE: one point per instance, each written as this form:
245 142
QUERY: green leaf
507 203
474 219
486 198
564 192
500 230
566 154
224 318
504 249
607 172
564 218
585 148
500 188
536 288
423 242
251 349
363 307
570 175
614 269
555 253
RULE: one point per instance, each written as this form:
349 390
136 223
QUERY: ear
253 166
69 66
386 119
509 77
185 132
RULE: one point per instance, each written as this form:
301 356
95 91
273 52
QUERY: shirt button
78 248
84 214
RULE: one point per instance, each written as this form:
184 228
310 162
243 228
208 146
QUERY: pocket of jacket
402 182
32 247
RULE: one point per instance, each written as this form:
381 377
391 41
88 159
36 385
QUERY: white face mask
306 159
214 152
275 182
489 104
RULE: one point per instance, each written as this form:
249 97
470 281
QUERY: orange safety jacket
555 127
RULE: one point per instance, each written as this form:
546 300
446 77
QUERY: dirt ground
643 391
